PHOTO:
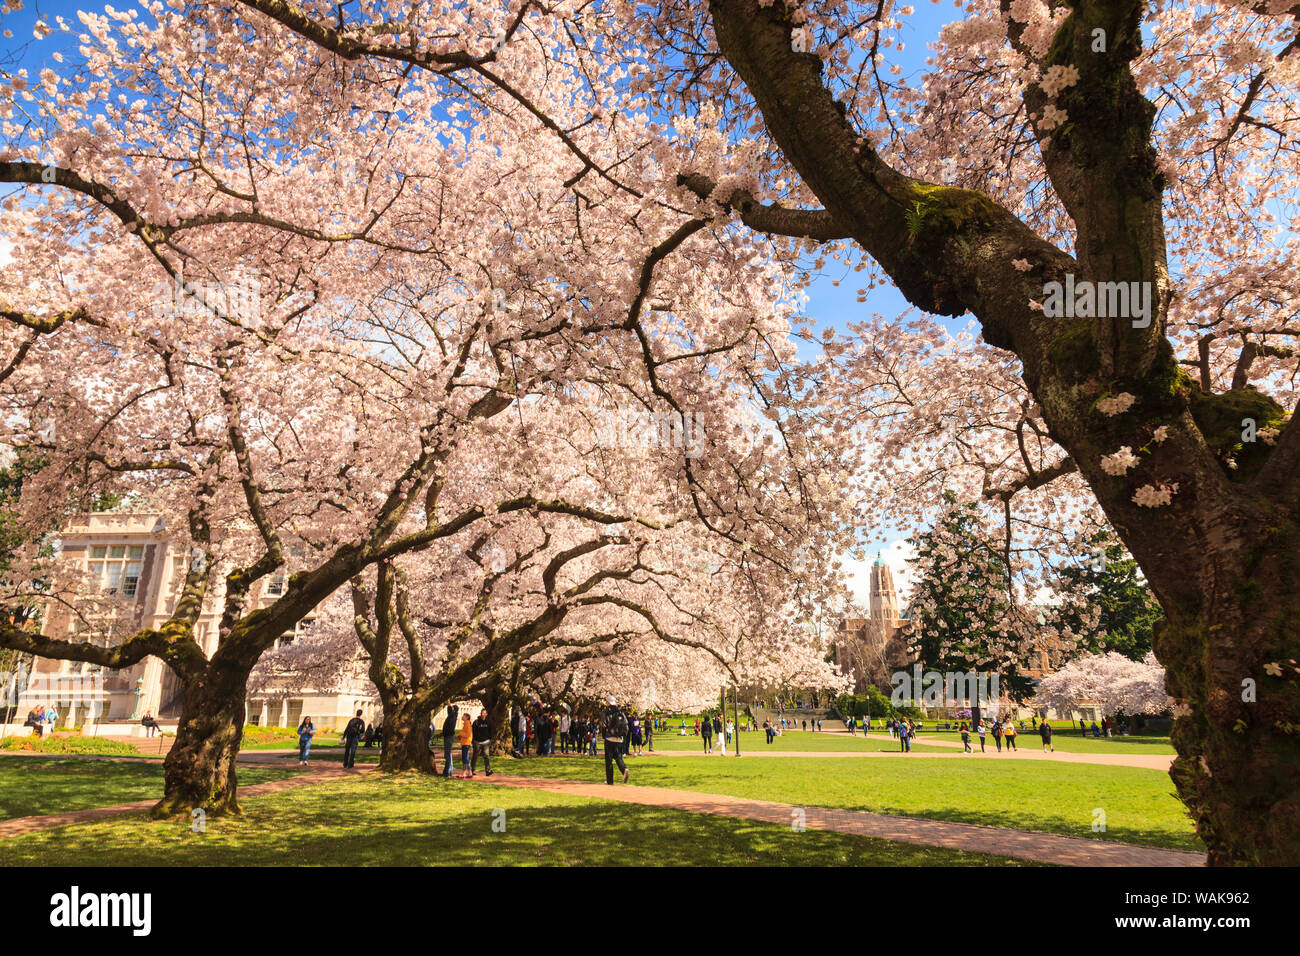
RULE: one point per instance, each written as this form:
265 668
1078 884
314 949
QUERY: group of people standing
578 735
905 730
473 735
1004 732
777 728
715 728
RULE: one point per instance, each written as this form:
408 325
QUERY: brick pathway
1021 844
20 825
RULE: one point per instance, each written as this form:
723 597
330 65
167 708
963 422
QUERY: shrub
69 745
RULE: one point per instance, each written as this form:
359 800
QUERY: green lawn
1054 797
37 785
410 821
755 742
72 745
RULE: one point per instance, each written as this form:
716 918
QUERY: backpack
614 725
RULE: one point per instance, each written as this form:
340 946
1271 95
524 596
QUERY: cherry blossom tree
1053 157
1069 146
1114 683
259 302
534 596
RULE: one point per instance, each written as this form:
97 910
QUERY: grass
755 743
37 785
1139 804
68 745
410 820
334 753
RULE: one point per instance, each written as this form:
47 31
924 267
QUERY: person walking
351 737
650 735
1010 733
905 736
481 735
466 740
306 731
720 732
965 738
1045 732
449 739
613 730
982 730
997 734
521 733
706 731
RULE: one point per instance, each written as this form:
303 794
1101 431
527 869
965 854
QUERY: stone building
866 647
134 577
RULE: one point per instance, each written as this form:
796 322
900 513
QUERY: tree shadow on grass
43 785
413 821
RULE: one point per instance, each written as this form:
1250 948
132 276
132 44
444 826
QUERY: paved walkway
1020 844
21 825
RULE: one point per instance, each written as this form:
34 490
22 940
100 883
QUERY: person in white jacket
565 724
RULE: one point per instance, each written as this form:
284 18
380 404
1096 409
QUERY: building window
275 584
302 628
116 567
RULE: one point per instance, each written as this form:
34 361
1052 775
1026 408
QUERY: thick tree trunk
406 737
497 701
1238 764
199 771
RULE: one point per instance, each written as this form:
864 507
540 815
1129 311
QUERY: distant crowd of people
622 734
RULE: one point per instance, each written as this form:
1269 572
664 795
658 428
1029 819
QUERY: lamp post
139 688
735 715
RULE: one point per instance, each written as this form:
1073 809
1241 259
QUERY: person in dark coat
613 728
482 743
351 737
449 738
